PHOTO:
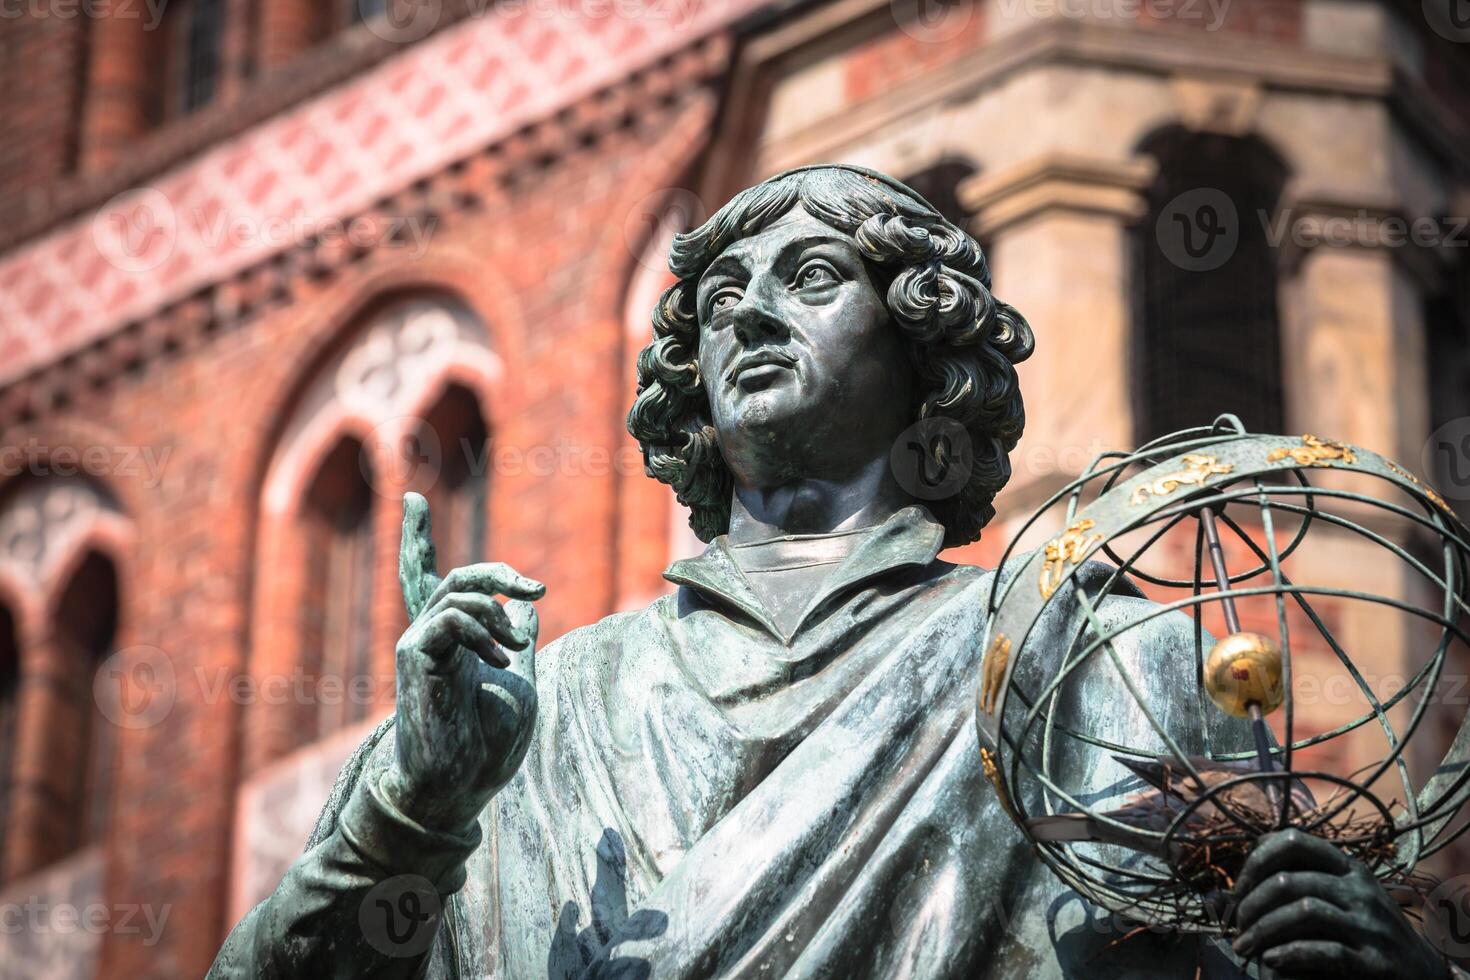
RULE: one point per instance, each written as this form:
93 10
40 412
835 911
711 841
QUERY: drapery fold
706 797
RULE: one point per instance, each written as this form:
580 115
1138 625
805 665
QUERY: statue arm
365 900
367 897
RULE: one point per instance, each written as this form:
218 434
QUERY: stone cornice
1154 50
1063 181
466 185
1313 221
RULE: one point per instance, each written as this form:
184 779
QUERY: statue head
816 316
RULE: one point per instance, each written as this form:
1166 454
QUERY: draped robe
707 796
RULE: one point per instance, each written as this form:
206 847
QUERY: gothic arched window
353 439
86 624
458 494
195 34
336 616
1206 337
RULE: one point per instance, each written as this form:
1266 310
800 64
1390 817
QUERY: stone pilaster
1057 229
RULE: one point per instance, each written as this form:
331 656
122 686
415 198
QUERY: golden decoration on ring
993 672
1314 452
1424 488
1071 546
1197 469
992 773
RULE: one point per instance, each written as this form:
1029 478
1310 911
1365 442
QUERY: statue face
805 372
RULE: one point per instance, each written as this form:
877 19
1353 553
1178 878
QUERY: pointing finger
416 562
1305 918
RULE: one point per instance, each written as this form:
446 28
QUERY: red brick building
266 264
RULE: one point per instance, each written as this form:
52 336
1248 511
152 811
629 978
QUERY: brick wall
543 262
41 72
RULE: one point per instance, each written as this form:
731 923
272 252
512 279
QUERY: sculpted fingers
1302 919
416 568
1290 850
1312 958
489 578
1283 887
450 628
488 613
523 617
524 620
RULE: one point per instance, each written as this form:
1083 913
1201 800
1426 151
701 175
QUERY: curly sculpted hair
962 342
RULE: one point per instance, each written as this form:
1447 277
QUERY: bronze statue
772 771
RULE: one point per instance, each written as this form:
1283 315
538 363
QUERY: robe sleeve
366 898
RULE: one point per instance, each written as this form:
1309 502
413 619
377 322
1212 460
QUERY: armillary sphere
1254 539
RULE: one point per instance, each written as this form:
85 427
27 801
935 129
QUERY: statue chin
766 421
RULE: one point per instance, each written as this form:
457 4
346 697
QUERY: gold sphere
1245 668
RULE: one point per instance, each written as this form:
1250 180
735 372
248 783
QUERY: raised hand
466 681
1306 909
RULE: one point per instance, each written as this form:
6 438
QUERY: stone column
1057 227
1352 331
1355 370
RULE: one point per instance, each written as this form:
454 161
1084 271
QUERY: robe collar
910 537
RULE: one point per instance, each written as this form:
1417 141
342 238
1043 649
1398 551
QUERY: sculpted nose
756 320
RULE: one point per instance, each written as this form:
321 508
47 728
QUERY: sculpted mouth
759 358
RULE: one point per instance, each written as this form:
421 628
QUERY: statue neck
812 505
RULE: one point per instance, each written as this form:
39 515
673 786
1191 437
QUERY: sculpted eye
724 299
815 274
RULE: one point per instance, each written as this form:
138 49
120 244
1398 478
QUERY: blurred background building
266 264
